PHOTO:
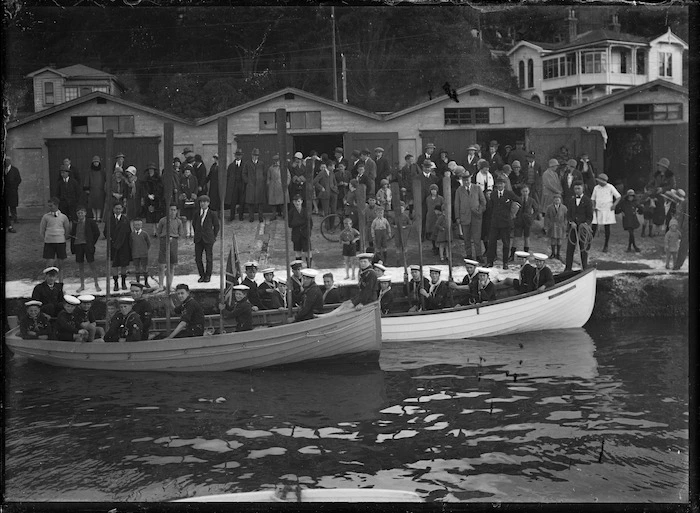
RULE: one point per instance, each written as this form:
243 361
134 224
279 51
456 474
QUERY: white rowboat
568 304
329 336
317 495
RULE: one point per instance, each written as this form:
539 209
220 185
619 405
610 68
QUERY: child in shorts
348 238
140 244
672 242
381 232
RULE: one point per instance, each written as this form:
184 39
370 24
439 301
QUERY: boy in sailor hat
35 324
241 311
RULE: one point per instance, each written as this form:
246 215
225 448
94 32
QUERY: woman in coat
551 185
95 185
555 225
188 198
627 206
118 193
154 195
275 192
255 186
133 195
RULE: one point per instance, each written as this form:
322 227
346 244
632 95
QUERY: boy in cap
241 311
312 300
542 278
367 282
482 289
370 212
427 154
331 292
555 225
176 232
370 172
268 291
386 295
35 324
191 314
413 288
299 222
143 308
440 232
384 195
672 243
126 325
120 243
348 238
529 210
464 288
49 293
251 269
628 207
437 294
68 193
401 222
55 230
494 158
84 234
408 172
68 322
87 318
342 180
381 232
383 166
297 282
140 244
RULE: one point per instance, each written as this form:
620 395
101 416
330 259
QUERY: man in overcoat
469 206
255 179
501 221
12 179
206 227
235 188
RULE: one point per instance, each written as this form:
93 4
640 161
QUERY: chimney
572 24
615 24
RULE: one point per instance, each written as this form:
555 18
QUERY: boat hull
330 336
315 495
568 304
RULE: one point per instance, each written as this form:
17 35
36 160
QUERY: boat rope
583 234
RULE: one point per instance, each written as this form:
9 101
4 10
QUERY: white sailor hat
245 288
415 267
385 278
309 273
131 169
539 256
282 280
71 300
522 254
434 268
86 298
367 256
469 261
380 267
251 264
296 263
33 302
482 270
268 270
127 300
50 270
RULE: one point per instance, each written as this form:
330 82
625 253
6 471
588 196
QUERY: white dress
604 197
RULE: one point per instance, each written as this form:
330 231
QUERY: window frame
49 84
68 93
530 74
671 111
666 64
268 120
521 74
464 116
120 123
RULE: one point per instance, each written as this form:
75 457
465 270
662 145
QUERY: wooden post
281 119
107 216
223 140
168 177
396 200
361 200
309 173
447 192
418 220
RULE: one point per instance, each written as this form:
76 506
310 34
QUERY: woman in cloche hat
628 207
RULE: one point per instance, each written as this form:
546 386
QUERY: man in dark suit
235 188
338 152
427 154
533 177
501 221
471 161
570 176
68 193
12 180
493 157
370 171
206 228
579 213
255 179
200 173
383 167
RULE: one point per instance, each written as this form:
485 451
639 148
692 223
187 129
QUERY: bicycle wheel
331 226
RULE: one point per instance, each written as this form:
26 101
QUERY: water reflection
569 415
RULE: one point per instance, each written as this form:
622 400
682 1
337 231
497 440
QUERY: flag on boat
233 271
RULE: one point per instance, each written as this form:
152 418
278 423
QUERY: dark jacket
495 161
568 191
439 298
41 326
12 181
332 296
368 287
124 326
191 313
312 303
255 179
478 295
242 312
235 188
412 291
386 301
208 231
270 297
145 311
92 235
383 170
545 277
583 213
502 213
67 325
253 294
200 172
52 299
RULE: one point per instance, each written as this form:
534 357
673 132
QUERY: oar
418 219
361 200
308 203
447 191
281 120
223 134
168 181
396 205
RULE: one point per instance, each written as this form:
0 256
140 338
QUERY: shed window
100 89
530 74
653 111
48 93
474 116
100 124
295 120
665 64
521 74
71 93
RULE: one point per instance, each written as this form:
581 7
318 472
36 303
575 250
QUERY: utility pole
335 69
344 76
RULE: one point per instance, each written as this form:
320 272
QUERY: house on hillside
593 64
55 86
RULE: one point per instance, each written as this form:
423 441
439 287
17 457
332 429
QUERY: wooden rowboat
291 494
568 304
344 334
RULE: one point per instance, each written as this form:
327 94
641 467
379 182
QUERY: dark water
592 415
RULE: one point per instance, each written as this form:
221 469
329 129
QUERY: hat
366 256
384 279
515 163
282 279
460 170
50 270
338 149
380 267
119 155
71 300
493 142
204 197
508 146
602 177
186 151
215 156
126 300
255 151
86 298
365 151
251 263
631 191
576 182
434 269
672 222
131 169
681 194
664 162
433 187
379 148
276 156
244 288
383 181
469 261
267 271
556 195
427 163
553 163
477 146
500 179
136 284
530 154
239 152
571 162
188 166
429 145
482 164
296 264
522 254
309 273
355 153
482 270
33 302
96 158
299 155
539 256
415 267
471 148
